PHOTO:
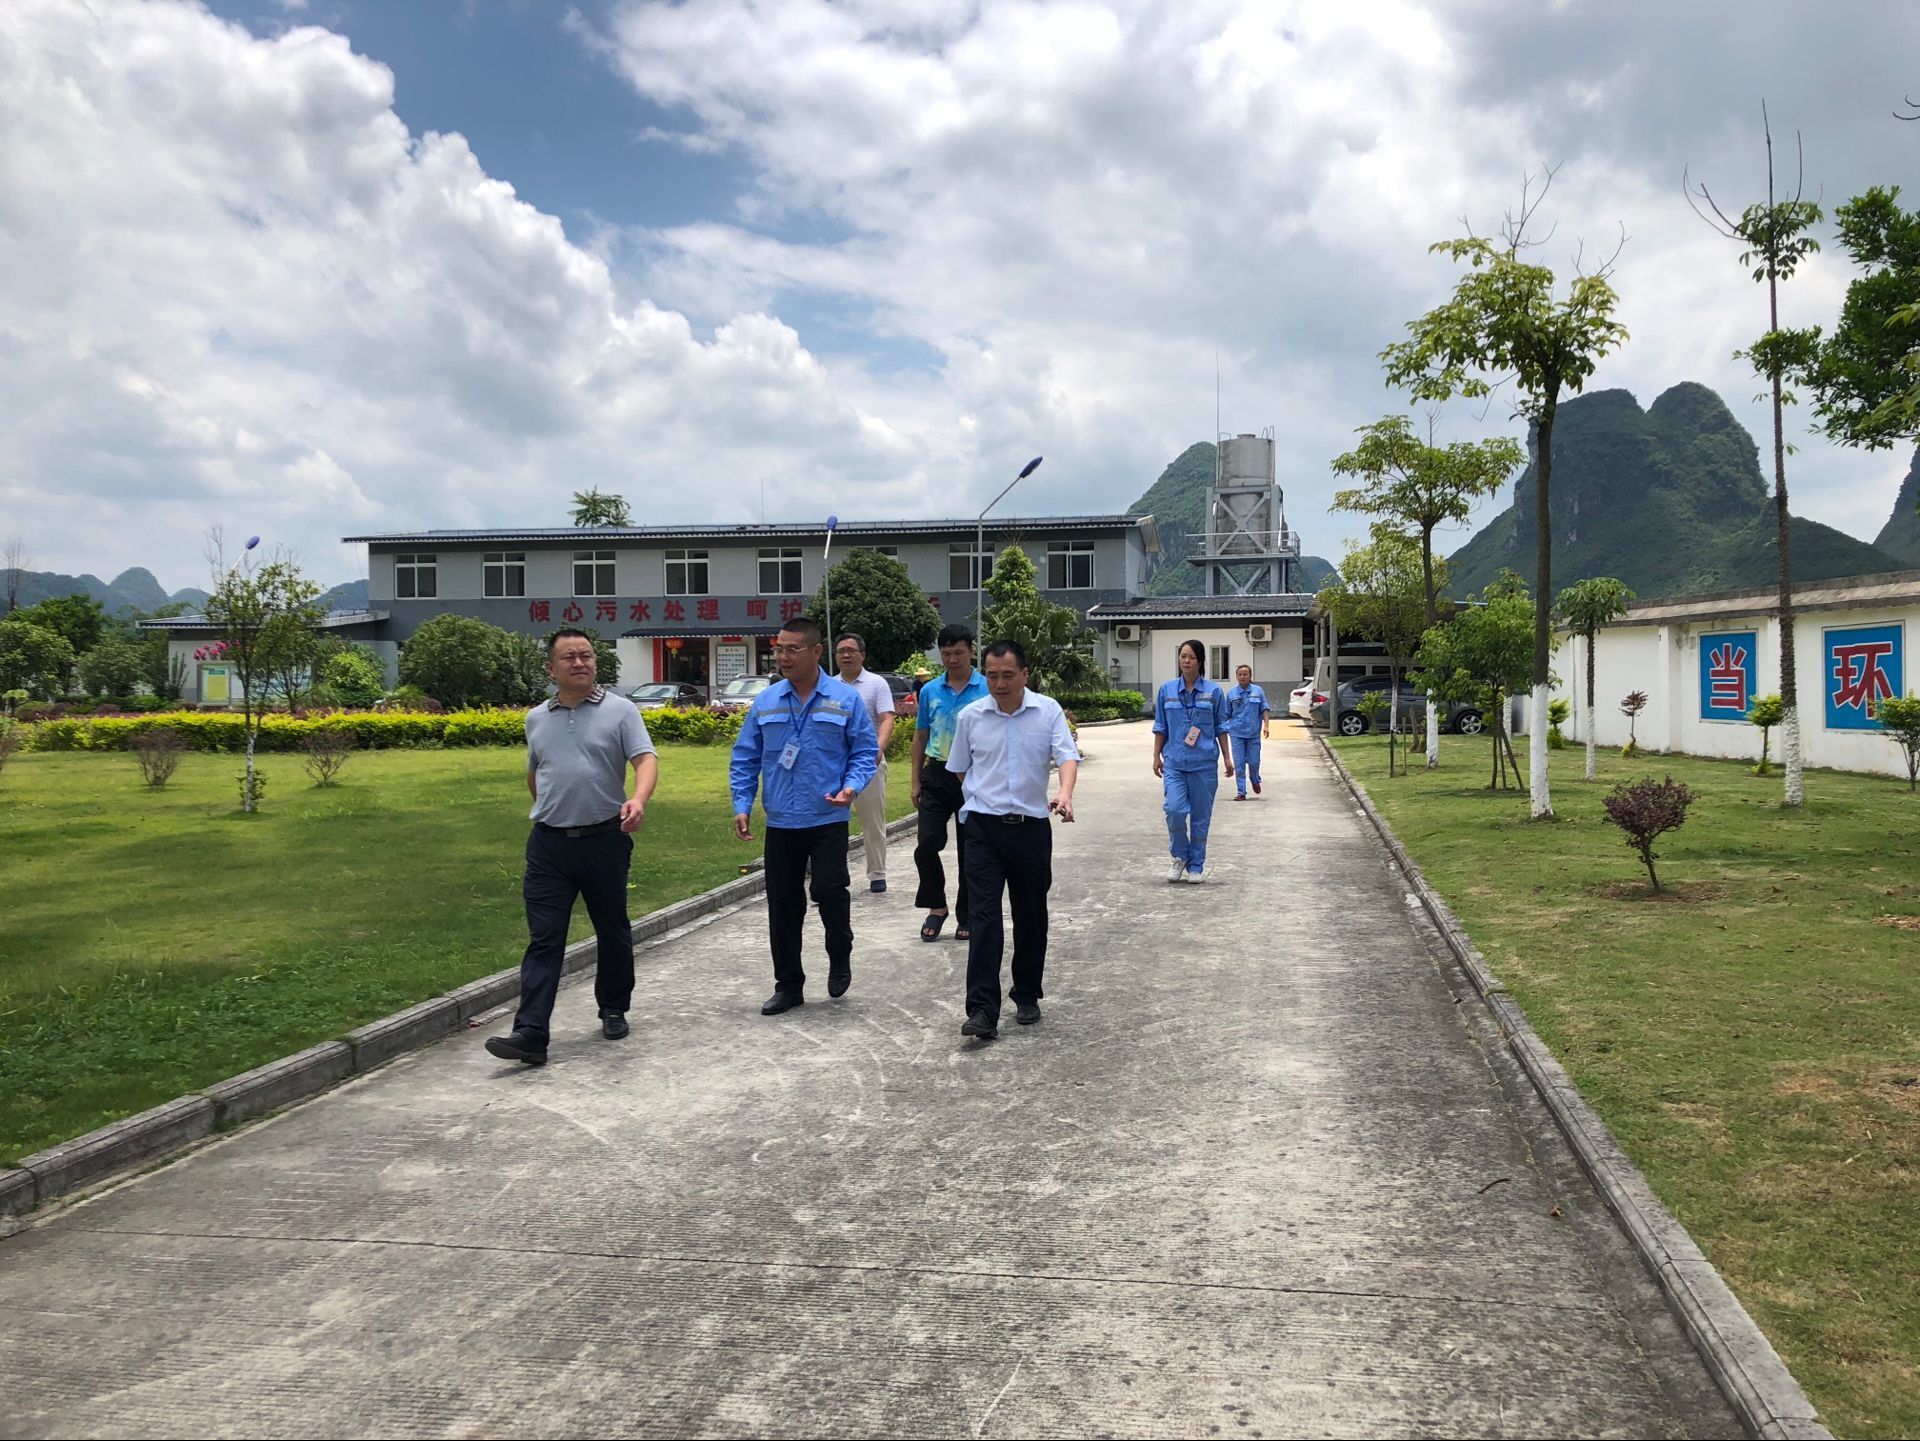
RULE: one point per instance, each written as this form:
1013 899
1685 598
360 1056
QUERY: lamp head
1032 466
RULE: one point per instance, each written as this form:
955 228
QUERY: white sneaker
1178 873
1196 878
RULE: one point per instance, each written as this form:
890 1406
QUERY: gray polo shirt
578 756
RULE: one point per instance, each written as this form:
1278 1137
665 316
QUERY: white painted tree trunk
1542 803
1433 733
1790 746
248 800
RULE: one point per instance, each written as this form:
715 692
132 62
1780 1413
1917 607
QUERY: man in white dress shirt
850 654
1003 748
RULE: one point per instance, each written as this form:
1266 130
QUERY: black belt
608 825
1007 820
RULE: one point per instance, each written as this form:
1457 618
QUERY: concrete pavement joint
737 1263
1750 1373
111 1152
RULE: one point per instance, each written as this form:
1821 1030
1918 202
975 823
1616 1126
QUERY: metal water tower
1246 548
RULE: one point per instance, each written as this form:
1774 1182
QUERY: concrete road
1257 1173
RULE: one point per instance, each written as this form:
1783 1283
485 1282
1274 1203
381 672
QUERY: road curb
105 1153
1749 1372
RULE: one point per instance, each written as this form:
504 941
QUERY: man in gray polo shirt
579 745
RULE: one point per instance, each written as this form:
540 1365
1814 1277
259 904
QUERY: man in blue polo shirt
936 794
1189 745
1247 720
808 747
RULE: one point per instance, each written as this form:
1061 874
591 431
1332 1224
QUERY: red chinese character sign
1728 675
539 612
1862 666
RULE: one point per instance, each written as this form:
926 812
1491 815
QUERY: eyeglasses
792 649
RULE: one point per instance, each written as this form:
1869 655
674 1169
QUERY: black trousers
940 800
790 854
561 868
1017 858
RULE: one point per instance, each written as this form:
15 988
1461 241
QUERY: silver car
1459 717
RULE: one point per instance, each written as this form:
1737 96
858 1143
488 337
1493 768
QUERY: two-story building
701 603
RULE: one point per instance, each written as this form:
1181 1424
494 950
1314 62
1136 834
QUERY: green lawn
155 942
1753 1038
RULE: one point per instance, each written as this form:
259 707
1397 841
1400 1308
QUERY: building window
593 572
687 572
780 572
892 551
503 573
967 568
1069 565
1219 663
415 576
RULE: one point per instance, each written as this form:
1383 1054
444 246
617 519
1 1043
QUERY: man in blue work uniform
1247 721
1189 744
936 793
808 746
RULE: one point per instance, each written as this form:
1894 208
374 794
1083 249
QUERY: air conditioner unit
1260 634
1126 635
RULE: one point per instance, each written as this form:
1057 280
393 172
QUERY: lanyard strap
1185 708
803 718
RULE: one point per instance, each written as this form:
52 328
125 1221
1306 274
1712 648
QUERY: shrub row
1092 705
224 731
368 730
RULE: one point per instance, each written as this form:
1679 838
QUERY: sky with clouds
307 268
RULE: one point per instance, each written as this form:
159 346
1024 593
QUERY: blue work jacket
1246 710
1176 710
838 750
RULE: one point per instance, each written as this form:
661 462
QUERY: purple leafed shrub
1647 809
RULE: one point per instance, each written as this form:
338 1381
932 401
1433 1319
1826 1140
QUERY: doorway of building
691 665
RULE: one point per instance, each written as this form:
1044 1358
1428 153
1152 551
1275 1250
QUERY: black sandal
931 927
963 933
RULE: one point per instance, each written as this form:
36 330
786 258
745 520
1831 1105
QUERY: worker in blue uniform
1189 746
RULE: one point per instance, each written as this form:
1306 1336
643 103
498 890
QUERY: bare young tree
1776 241
15 559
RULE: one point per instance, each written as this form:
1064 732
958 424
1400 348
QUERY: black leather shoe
613 1024
979 1023
1026 1012
782 1001
520 1046
838 979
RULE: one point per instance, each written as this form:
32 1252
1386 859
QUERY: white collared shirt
1003 760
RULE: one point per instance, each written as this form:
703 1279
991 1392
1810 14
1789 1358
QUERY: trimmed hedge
215 731
1092 705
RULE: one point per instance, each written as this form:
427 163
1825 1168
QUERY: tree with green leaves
355 675
1765 714
294 636
1775 241
1899 717
1505 325
455 659
112 668
33 658
1423 486
79 619
1483 655
259 610
876 599
594 507
1585 607
1380 593
1059 646
1865 377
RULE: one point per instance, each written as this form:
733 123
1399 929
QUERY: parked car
1459 717
667 693
906 700
1300 699
739 693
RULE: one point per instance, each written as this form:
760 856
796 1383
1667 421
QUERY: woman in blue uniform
1189 747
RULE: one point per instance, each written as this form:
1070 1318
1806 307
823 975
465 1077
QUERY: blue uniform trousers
1246 761
1190 813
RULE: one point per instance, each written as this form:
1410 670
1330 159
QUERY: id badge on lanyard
790 753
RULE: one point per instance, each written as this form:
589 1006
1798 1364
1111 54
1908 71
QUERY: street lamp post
826 577
980 545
